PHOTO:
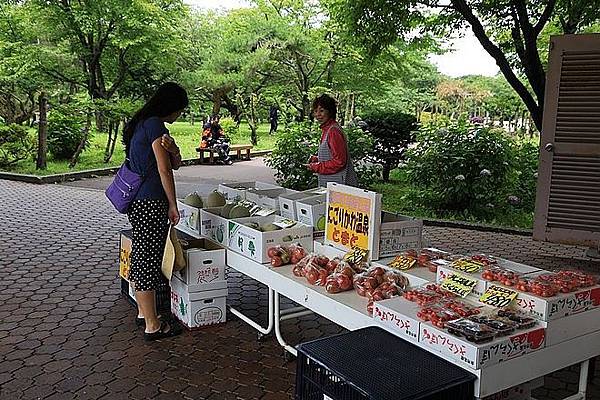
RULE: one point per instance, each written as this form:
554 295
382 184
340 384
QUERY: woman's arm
174 154
166 177
339 156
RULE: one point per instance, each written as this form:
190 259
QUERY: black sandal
141 321
174 330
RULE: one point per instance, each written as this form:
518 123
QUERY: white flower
489 205
535 175
485 172
459 178
514 200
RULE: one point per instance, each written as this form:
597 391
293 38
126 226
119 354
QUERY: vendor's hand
168 143
173 214
310 167
313 159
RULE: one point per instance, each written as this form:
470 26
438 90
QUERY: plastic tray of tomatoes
438 315
427 294
502 275
472 331
503 326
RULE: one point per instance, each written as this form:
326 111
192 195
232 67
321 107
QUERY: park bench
238 148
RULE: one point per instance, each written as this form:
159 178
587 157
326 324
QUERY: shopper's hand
169 144
173 214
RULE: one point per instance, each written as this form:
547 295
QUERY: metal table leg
295 312
255 325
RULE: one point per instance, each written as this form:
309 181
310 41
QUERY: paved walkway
66 333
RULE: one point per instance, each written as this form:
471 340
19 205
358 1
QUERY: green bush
230 127
298 142
15 145
522 191
460 167
66 126
392 133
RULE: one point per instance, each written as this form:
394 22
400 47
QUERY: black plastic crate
372 364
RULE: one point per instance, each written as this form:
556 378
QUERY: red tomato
276 261
272 252
344 282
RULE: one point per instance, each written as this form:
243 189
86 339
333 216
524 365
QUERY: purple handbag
123 188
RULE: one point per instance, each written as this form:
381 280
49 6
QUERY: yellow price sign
458 284
356 256
466 265
498 296
402 263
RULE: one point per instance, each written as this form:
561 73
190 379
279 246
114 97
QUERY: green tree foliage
509 31
392 133
15 145
66 130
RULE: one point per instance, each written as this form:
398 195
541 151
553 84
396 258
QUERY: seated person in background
214 137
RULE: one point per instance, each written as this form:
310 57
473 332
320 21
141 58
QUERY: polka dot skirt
150 223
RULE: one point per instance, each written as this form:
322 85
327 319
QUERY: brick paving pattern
67 333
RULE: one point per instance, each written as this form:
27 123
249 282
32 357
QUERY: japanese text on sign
348 220
497 296
467 265
459 285
402 262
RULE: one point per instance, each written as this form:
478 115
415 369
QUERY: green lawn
186 136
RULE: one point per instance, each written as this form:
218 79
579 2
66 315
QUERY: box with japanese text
287 201
198 309
311 211
559 306
213 226
572 326
398 233
253 236
237 190
267 198
189 219
124 253
398 316
205 263
477 356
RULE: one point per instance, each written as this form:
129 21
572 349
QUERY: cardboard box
267 198
237 190
398 316
205 265
287 201
213 226
254 244
567 328
124 253
311 211
477 356
189 219
199 309
559 306
398 233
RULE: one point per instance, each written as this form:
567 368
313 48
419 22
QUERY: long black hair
169 98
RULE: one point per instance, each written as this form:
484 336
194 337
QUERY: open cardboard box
189 219
254 244
198 309
237 190
311 211
287 201
205 265
267 198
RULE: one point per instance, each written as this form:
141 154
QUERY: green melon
270 227
226 210
215 199
239 211
193 199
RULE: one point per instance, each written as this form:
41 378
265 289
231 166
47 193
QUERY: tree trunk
42 133
109 144
386 172
252 120
114 142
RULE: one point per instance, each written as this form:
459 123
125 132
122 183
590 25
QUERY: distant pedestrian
152 153
333 163
273 118
215 138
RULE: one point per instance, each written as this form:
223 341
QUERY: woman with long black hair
153 154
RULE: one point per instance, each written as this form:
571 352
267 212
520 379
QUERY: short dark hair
327 102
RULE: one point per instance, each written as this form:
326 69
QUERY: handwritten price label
459 285
469 266
497 296
402 263
356 256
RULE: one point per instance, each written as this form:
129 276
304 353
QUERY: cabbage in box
253 236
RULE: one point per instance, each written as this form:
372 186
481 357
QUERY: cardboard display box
254 244
267 198
399 316
205 265
237 190
124 253
311 211
199 309
189 219
287 201
398 233
213 226
570 327
477 356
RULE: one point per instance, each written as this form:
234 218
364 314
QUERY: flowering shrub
460 167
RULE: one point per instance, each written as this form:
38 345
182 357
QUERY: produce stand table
349 311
